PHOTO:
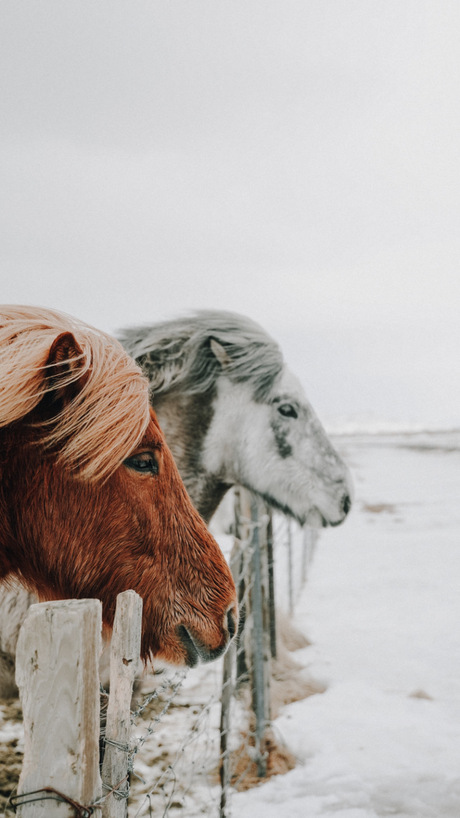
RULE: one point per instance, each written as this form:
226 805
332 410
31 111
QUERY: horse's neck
185 421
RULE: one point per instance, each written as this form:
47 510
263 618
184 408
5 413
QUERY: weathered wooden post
242 575
255 635
305 552
124 660
227 692
290 568
261 653
57 672
271 584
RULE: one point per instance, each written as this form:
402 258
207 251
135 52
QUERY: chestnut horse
91 502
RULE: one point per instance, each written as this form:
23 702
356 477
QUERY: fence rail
190 741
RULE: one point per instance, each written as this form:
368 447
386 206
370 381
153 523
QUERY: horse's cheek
138 505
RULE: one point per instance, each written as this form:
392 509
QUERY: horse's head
88 510
275 446
234 415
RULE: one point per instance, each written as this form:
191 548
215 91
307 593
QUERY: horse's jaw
313 517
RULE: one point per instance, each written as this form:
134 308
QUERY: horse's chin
285 509
315 519
195 650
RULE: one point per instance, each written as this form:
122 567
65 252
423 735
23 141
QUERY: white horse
233 413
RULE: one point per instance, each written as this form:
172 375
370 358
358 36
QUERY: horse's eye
287 410
146 463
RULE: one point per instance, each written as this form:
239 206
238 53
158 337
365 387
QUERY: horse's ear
66 369
220 353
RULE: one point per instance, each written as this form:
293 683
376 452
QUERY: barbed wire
175 758
188 776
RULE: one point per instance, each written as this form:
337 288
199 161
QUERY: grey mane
177 355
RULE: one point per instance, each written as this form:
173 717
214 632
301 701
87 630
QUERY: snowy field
382 610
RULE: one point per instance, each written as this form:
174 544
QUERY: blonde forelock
108 416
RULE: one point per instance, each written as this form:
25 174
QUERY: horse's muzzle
345 506
196 649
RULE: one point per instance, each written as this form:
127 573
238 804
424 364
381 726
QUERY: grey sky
295 161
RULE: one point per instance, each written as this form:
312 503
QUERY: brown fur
71 529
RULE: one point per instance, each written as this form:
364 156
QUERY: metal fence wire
201 736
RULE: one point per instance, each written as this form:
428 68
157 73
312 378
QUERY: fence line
194 740
249 748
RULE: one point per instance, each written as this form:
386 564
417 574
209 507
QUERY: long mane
98 429
177 354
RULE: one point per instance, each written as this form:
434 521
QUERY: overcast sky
294 160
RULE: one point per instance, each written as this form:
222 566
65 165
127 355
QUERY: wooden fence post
57 672
271 584
242 577
226 697
260 670
124 660
290 568
255 635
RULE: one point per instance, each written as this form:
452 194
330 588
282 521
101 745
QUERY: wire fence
209 733
199 736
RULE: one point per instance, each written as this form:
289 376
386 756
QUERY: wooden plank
290 567
228 689
242 578
255 637
57 672
271 584
124 660
260 670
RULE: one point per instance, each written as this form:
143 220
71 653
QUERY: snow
381 608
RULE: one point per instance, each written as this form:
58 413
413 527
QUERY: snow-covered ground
382 610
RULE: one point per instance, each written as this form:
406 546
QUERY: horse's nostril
231 621
346 504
